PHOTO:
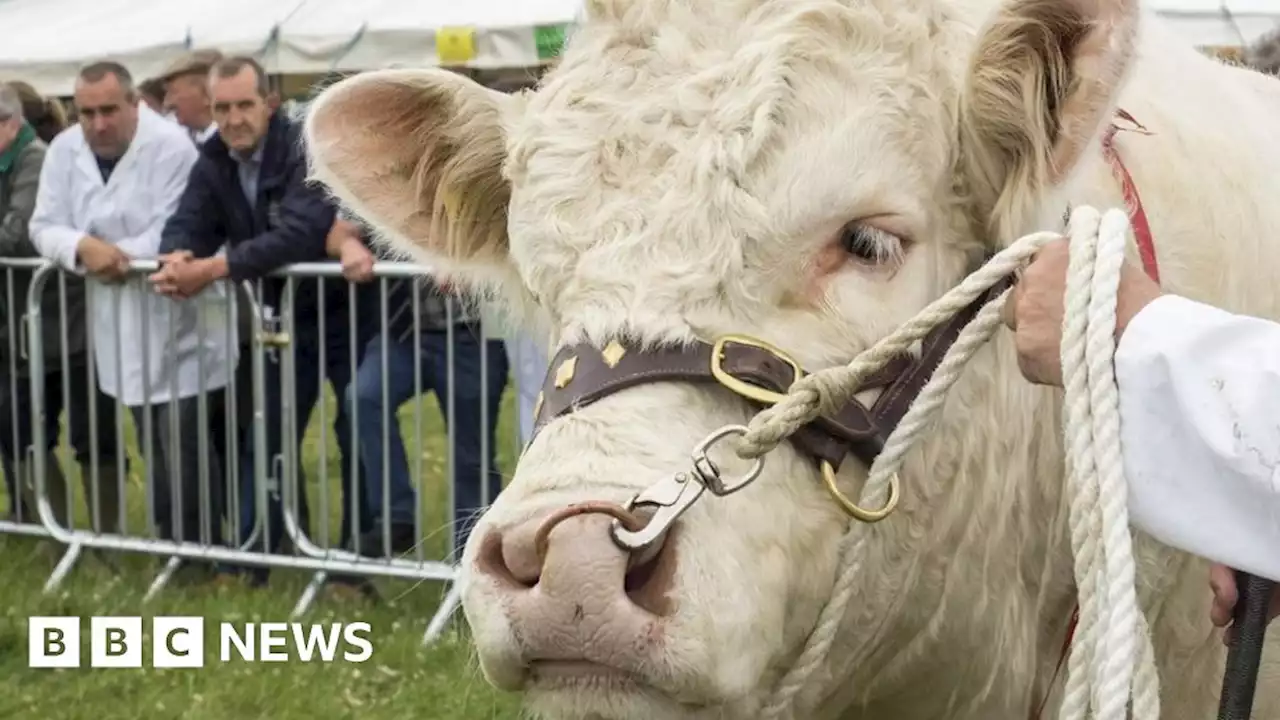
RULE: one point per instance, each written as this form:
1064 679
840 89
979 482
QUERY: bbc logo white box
115 642
177 642
53 642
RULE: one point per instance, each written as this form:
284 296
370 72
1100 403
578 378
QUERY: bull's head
806 172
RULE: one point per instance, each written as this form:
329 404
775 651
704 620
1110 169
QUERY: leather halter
581 374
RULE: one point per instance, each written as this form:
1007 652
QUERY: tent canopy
343 35
56 37
48 40
1219 23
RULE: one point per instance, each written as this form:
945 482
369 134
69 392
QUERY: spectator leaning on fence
475 380
44 114
22 154
106 189
186 93
250 187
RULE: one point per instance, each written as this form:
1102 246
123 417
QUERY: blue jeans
476 390
307 378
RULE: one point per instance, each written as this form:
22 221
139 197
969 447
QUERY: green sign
549 39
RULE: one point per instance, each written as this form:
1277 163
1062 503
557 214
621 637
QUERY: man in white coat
106 189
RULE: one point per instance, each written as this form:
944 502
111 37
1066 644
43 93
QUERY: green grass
402 679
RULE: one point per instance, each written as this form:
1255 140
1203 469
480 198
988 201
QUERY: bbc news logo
179 642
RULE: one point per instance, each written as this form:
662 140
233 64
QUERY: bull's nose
565 558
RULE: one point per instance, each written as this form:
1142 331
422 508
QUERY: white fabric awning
1219 23
343 35
47 41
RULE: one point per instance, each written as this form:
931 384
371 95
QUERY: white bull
812 173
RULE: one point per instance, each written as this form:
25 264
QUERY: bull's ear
418 154
1041 85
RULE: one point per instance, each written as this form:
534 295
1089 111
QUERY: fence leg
163 578
63 568
448 606
309 594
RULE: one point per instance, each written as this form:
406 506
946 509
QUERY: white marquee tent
345 35
1219 23
47 40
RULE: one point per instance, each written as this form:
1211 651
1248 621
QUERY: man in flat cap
186 87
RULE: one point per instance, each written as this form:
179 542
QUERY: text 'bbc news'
179 642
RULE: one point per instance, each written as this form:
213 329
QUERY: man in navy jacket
249 190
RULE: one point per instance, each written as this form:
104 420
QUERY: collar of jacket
26 134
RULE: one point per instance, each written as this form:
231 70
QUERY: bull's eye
868 244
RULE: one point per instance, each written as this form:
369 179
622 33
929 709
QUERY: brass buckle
769 397
746 389
852 508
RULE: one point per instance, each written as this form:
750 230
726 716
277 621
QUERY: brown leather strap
582 374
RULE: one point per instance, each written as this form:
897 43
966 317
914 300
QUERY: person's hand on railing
357 262
102 260
345 243
176 256
182 275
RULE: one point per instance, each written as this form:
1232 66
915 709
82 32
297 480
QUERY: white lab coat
1200 431
130 211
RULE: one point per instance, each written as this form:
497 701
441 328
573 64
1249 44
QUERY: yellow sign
455 45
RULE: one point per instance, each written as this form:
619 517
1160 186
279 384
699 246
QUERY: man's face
188 97
240 111
108 114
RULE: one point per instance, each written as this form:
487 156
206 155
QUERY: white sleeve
1200 431
50 226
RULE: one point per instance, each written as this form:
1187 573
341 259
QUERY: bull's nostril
566 563
491 560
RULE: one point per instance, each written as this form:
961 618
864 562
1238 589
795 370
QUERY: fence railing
213 431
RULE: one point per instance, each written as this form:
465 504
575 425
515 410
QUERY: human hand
102 260
177 256
186 277
357 261
1222 580
1034 309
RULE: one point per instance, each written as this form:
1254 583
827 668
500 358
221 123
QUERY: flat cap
196 61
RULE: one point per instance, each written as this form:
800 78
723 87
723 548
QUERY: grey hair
10 103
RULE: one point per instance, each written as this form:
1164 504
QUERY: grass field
401 680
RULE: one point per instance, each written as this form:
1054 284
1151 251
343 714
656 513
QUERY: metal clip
675 494
274 339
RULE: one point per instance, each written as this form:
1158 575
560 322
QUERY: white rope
1111 659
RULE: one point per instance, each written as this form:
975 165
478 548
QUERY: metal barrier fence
214 396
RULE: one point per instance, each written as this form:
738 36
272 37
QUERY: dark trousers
476 398
86 425
188 490
307 377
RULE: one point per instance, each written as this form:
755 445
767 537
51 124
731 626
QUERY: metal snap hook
673 495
